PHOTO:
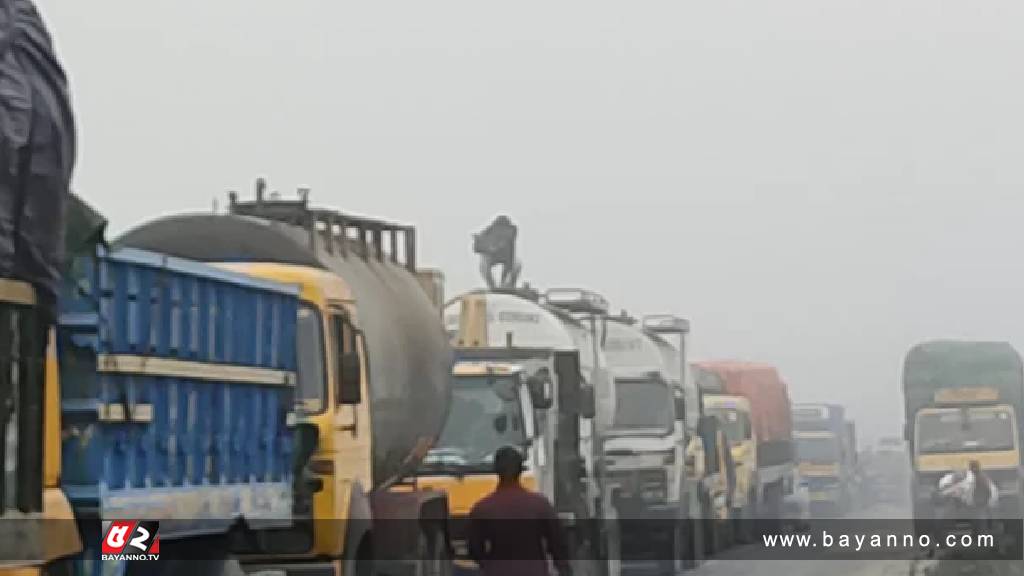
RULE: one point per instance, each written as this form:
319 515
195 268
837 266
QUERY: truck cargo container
176 404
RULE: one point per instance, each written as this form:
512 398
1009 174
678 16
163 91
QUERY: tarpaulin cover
37 150
938 364
761 385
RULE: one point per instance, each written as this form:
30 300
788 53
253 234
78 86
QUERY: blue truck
177 398
824 449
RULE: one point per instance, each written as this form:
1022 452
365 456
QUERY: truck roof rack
339 232
577 300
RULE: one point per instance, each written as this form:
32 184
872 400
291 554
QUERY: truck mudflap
411 530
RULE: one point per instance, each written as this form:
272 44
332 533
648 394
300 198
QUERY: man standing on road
512 530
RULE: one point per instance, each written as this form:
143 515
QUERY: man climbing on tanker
496 245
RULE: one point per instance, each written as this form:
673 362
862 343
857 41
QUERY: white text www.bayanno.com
872 542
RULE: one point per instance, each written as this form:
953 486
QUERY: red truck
752 402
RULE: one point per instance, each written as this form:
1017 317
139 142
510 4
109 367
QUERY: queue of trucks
285 390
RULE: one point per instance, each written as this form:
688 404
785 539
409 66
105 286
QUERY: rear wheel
432 554
364 558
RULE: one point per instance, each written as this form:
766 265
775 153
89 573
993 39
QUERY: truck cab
648 446
733 413
492 406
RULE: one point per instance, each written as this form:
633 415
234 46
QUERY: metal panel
177 384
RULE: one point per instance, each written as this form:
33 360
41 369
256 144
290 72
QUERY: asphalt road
737 561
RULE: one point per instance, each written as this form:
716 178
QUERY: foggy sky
814 184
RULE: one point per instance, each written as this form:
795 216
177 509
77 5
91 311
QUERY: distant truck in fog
887 470
963 402
752 402
825 450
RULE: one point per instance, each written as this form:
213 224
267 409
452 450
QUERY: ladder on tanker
334 231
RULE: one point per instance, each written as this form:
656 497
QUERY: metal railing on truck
367 237
22 379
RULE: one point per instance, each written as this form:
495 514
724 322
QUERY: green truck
963 402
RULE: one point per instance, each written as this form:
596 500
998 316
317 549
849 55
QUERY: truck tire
696 554
432 554
168 567
364 561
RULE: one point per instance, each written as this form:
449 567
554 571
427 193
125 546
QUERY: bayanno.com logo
130 540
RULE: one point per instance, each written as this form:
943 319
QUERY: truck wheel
432 555
364 558
695 540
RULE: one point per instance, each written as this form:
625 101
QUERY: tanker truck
752 403
531 375
963 402
657 414
374 367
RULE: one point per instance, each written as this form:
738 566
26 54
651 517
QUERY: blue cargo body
177 392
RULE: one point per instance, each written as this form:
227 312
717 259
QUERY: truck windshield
479 422
643 404
818 450
312 386
735 424
971 430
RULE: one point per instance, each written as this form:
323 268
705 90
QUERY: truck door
570 489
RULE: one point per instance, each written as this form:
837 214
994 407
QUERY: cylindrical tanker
408 357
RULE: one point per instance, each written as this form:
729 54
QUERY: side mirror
542 390
349 388
500 423
347 341
680 406
505 389
588 403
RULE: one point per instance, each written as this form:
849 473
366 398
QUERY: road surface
736 562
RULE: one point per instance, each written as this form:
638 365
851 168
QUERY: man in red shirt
512 530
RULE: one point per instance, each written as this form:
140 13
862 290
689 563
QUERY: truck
657 414
888 470
962 402
752 403
528 374
169 393
374 378
825 457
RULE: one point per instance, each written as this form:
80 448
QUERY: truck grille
648 485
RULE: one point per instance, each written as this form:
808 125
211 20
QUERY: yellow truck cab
373 378
491 408
733 413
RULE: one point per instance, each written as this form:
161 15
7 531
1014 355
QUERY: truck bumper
296 569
